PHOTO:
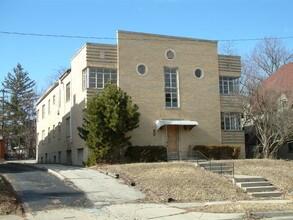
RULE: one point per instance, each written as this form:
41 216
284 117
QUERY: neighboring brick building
174 81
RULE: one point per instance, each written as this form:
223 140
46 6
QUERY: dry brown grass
181 181
8 200
278 172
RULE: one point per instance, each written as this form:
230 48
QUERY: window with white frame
68 127
49 135
38 115
84 79
98 77
53 131
43 111
231 121
67 92
171 87
59 131
229 85
43 136
49 106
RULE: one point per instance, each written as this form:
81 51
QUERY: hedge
218 151
146 153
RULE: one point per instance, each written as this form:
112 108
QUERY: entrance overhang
186 123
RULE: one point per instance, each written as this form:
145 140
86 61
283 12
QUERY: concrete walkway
99 188
114 200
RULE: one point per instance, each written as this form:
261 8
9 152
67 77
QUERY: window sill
172 108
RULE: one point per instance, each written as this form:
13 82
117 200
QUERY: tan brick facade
199 98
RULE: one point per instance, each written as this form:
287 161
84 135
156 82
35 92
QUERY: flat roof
166 36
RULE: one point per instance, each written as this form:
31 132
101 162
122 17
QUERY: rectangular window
49 136
38 115
229 85
49 106
171 87
43 136
84 79
98 77
43 111
231 121
54 99
68 127
68 92
53 131
59 131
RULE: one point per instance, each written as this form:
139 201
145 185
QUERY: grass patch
9 204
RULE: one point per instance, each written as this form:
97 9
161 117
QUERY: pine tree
19 125
108 117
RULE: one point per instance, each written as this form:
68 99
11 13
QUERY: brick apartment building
185 91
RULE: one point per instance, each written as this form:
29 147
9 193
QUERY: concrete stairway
256 186
217 167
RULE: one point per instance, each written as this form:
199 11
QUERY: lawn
181 181
184 182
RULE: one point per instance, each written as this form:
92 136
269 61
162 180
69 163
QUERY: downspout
70 114
59 98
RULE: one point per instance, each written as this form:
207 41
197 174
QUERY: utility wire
114 38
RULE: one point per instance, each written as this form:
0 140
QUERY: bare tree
228 48
53 78
268 56
272 124
267 109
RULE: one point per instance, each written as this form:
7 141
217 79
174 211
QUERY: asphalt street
38 190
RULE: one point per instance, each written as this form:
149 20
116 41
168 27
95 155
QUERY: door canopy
186 123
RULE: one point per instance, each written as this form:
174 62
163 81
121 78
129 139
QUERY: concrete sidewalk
115 200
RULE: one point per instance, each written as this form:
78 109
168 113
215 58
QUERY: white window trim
178 90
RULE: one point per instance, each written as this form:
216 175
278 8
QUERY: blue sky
204 19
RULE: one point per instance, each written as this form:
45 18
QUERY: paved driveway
39 190
100 188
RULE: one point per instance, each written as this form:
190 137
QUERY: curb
273 214
39 167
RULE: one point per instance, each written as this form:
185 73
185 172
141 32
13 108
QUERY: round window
170 54
141 69
198 73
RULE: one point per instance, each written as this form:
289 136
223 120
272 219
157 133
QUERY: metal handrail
197 152
231 164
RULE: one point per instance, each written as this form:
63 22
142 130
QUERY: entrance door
173 141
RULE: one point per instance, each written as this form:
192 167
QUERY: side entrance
173 142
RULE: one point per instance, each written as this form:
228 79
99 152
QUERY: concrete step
260 189
199 161
253 184
218 168
266 194
224 172
249 179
